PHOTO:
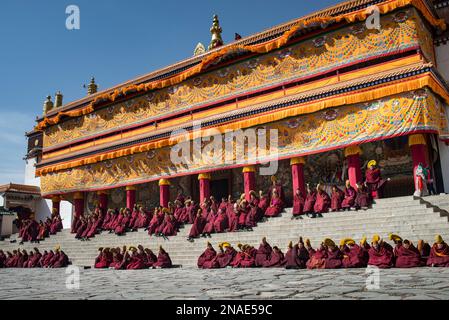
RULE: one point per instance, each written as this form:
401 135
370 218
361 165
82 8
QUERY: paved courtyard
419 283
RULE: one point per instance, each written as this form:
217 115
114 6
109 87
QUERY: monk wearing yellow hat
317 257
354 256
439 254
380 253
374 181
405 253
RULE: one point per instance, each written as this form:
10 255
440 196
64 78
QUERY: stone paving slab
191 283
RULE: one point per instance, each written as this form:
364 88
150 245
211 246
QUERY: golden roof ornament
215 30
199 49
91 87
58 99
48 105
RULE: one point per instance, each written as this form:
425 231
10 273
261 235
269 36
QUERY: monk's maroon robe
135 262
232 220
221 222
154 224
197 227
103 260
317 259
117 259
382 258
439 257
276 260
322 202
263 254
243 213
34 262
226 259
263 203
349 198
298 205
81 229
354 257
151 259
209 226
163 260
249 260
333 259
208 255
169 228
310 202
407 258
374 181
292 259
336 199
362 200
275 208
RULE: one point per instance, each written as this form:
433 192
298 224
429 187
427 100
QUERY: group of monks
132 258
318 201
34 259
33 231
348 254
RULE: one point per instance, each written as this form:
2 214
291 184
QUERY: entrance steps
408 217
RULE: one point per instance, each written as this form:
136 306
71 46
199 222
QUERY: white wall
43 206
442 56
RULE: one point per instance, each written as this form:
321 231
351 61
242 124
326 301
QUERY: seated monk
249 260
322 202
135 260
235 263
424 249
296 256
151 258
256 213
317 257
2 259
298 204
244 211
439 253
363 199
354 256
405 253
198 226
373 180
275 186
233 216
221 221
208 255
276 259
163 259
104 259
228 255
380 253
337 197
154 222
276 205
349 197
61 261
310 200
263 201
333 259
263 253
117 258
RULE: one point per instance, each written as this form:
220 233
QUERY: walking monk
439 254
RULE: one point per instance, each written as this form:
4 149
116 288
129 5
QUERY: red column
103 201
249 180
418 149
56 203
297 165
164 192
204 179
78 198
352 155
130 197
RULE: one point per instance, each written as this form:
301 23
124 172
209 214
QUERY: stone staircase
410 218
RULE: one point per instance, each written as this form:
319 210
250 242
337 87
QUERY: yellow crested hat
226 245
394 237
376 238
57 248
132 248
363 241
165 210
308 242
329 242
371 163
347 241
239 245
438 239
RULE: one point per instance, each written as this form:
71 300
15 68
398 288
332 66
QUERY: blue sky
117 41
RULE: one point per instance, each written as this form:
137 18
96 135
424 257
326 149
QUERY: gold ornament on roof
215 30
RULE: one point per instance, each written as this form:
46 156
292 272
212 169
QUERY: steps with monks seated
410 218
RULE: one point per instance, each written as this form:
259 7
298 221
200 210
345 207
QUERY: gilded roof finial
48 105
91 87
215 30
199 49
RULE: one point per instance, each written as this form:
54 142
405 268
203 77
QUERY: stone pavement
191 283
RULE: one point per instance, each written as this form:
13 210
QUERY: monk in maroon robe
363 199
117 258
221 221
240 255
373 180
354 256
322 202
61 261
276 205
298 204
198 226
275 186
439 253
337 197
233 217
380 254
209 226
208 255
249 260
2 259
163 259
407 255
292 260
349 197
310 201
136 261
151 258
264 202
228 256
244 212
276 259
154 222
263 253
317 257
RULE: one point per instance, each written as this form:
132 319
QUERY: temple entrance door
219 189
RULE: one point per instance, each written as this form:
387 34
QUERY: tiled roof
20 188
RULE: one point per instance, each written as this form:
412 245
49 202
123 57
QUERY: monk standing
374 182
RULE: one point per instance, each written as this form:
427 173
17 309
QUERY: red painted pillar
204 179
418 149
78 198
103 201
56 204
249 180
164 192
297 165
352 155
130 197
